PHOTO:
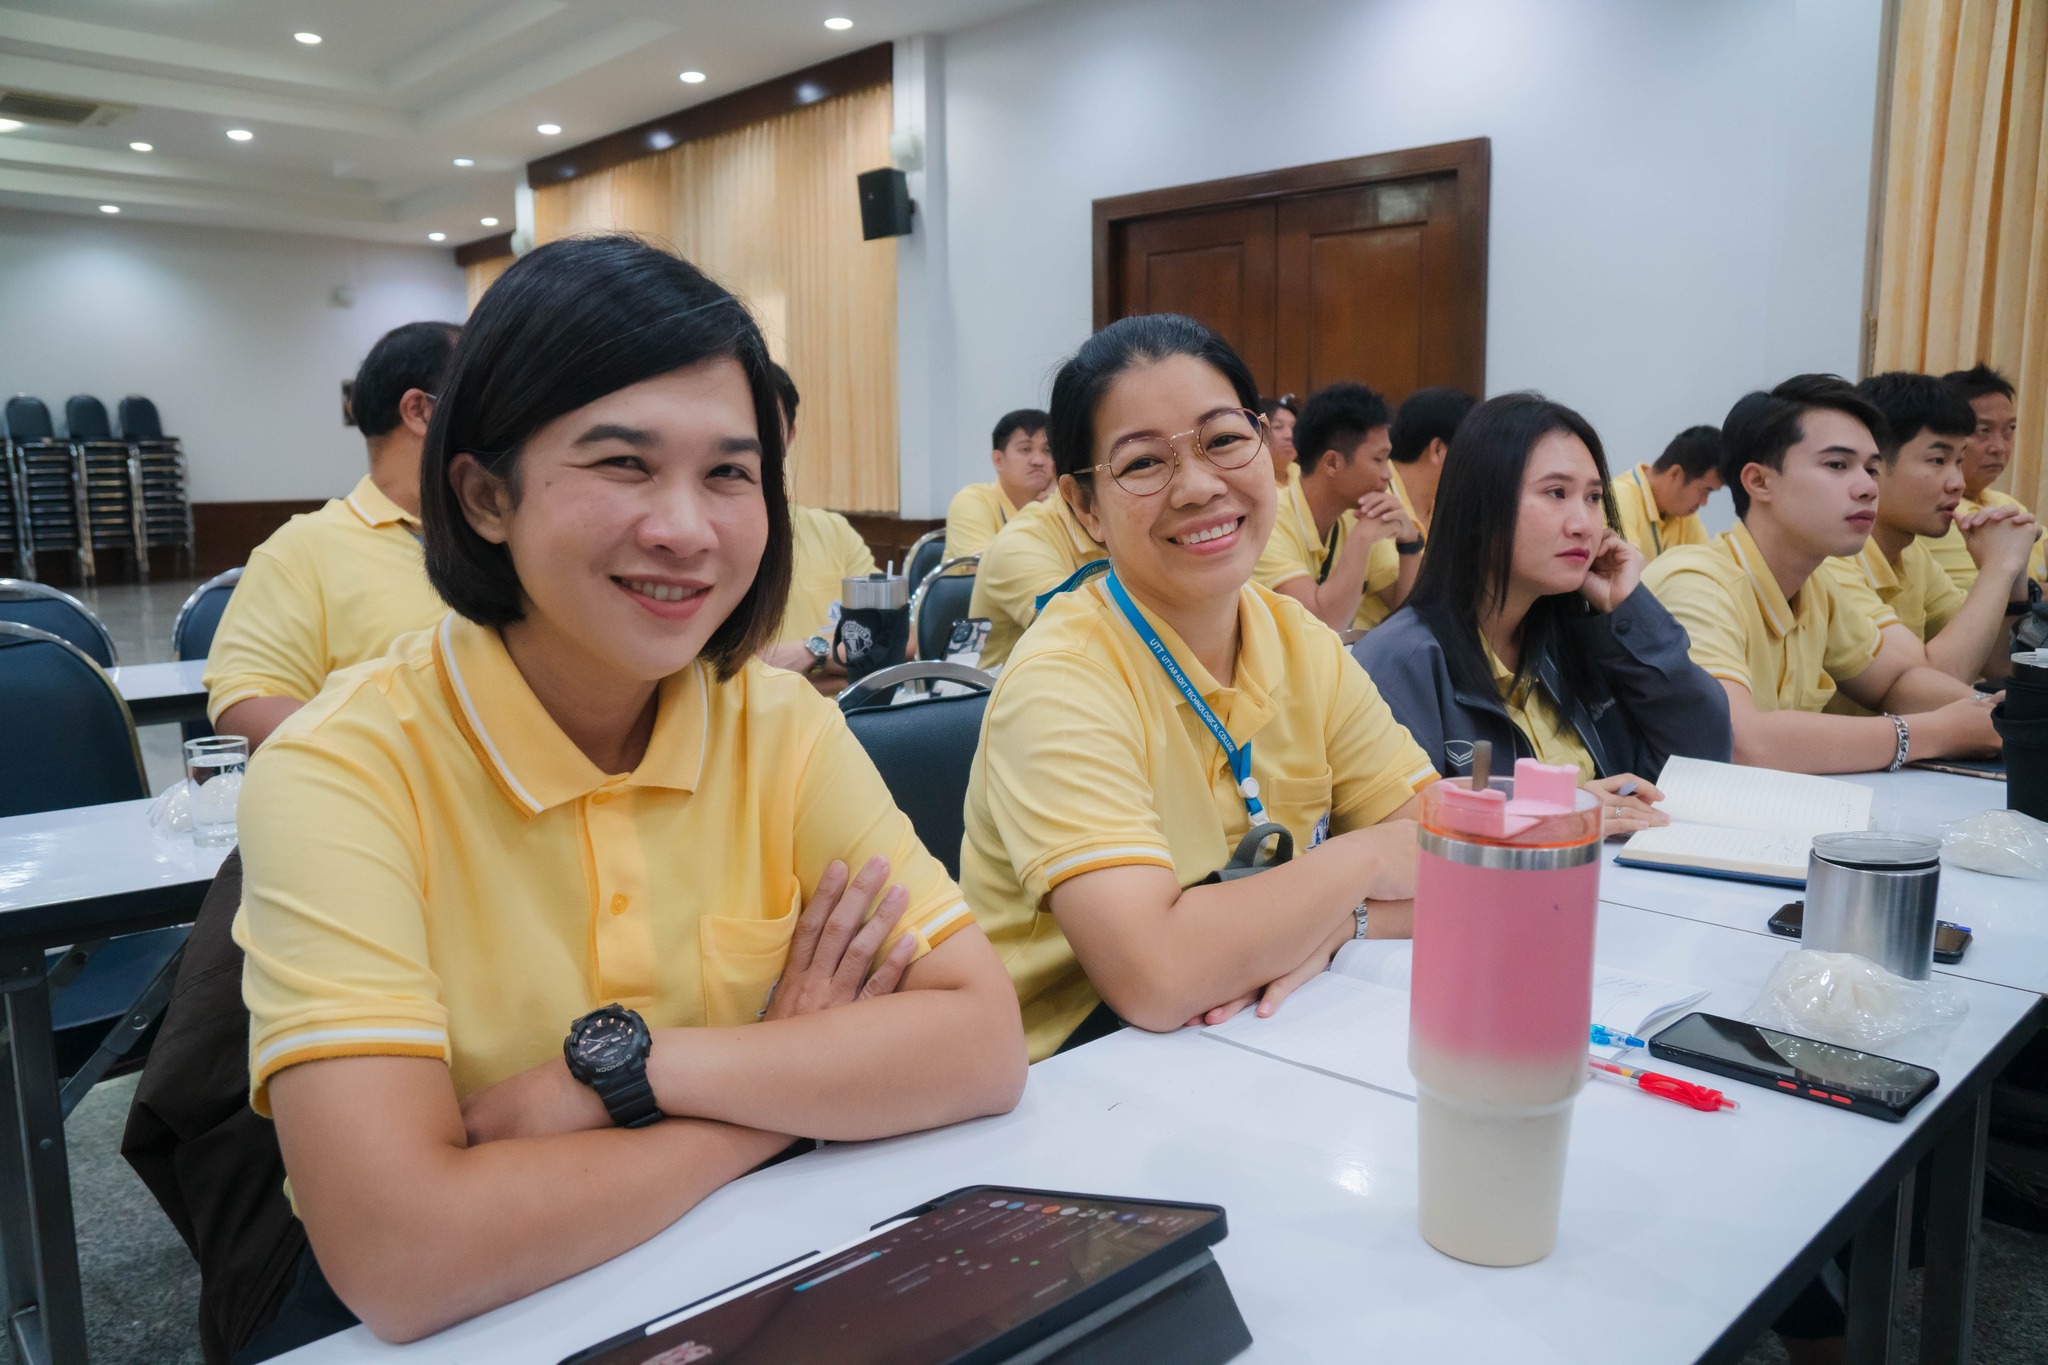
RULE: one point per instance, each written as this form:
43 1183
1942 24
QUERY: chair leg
123 1037
45 1305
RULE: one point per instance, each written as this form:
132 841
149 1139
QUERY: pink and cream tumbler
1505 897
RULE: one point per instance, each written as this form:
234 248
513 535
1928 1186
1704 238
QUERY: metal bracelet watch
1358 913
821 650
1905 742
607 1050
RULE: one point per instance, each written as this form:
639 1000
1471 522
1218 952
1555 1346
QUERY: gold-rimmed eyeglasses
1143 465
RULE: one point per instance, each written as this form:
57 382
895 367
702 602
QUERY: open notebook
1751 824
1352 1021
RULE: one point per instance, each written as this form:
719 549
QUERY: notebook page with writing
1342 1027
1697 791
1710 848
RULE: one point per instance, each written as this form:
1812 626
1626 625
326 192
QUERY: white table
66 877
1683 1233
159 694
2007 915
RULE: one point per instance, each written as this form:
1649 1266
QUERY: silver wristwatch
1358 920
821 650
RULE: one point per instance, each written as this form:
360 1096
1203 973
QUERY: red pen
1664 1087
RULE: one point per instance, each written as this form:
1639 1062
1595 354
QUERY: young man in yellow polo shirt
1035 553
1985 456
1023 461
1341 545
1660 503
1421 436
1919 608
1801 462
333 588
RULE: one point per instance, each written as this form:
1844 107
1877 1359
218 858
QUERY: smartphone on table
1826 1073
1951 941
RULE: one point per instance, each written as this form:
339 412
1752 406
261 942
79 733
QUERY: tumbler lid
1875 851
874 590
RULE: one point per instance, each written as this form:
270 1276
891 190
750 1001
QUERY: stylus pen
1662 1086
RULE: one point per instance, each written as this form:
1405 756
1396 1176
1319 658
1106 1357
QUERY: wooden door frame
1470 160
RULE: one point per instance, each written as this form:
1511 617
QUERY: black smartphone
1825 1073
978 1275
1951 941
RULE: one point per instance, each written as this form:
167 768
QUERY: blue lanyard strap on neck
1071 582
1240 755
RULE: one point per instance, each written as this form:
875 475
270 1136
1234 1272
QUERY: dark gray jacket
1648 702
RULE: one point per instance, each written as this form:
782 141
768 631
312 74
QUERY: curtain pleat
478 277
770 211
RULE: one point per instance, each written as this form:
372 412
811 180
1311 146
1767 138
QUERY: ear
415 410
1437 449
995 458
486 501
1081 498
1756 481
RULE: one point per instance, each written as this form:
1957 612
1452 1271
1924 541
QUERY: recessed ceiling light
548 129
309 39
239 135
110 208
141 147
839 25
465 161
10 125
693 78
488 222
437 236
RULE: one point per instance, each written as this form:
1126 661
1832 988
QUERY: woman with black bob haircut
1526 629
1161 708
549 923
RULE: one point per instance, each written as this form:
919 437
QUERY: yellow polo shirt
431 868
1400 491
1295 551
824 549
329 589
1037 550
1744 631
1530 708
1090 758
974 516
1644 523
1915 592
1952 552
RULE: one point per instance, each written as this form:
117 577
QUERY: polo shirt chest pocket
740 961
1302 804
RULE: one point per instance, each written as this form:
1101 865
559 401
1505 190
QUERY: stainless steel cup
874 622
1873 894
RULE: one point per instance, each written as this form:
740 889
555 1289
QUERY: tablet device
974 1277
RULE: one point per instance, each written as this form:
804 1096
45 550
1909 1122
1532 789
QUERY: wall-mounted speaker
885 205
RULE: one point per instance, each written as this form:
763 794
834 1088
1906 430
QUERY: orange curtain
479 275
1963 269
769 210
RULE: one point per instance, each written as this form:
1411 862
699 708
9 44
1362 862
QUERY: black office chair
113 483
166 504
940 601
52 487
59 613
66 739
926 553
192 630
924 749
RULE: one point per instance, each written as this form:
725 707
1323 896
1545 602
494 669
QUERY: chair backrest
939 603
66 738
924 751
192 631
139 421
926 553
85 419
59 613
28 419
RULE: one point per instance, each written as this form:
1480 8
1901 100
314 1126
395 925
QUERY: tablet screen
925 1291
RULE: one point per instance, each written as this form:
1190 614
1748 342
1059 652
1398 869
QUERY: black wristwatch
1409 547
607 1050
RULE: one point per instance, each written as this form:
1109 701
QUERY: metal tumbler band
1506 858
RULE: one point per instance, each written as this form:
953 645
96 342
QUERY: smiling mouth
659 592
1208 533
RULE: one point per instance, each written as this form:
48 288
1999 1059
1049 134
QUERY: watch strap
628 1097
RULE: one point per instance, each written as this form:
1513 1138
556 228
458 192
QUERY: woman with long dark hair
569 910
1527 628
1162 709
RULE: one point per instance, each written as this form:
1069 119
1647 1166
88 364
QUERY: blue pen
1606 1037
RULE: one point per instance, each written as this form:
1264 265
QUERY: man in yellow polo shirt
1341 545
1985 456
1895 578
1042 545
1421 436
1801 463
1660 503
1023 459
333 588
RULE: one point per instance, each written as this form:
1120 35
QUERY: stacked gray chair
53 496
113 483
14 551
166 506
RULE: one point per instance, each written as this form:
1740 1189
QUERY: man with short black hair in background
333 588
1985 456
1660 503
1022 457
1421 437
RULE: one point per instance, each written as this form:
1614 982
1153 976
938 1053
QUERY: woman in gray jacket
1526 627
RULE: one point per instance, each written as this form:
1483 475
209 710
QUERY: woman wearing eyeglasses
1158 711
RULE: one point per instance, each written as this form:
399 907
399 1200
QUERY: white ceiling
357 136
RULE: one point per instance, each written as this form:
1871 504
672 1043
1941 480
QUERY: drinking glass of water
213 770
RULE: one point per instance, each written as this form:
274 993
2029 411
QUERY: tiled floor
139 617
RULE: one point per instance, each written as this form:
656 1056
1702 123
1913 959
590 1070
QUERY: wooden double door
1372 269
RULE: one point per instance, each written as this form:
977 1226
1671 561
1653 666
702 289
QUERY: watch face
606 1042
